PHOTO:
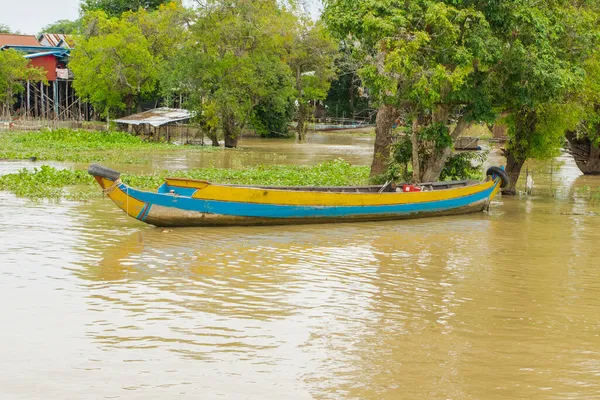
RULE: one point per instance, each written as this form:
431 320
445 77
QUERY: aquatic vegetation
331 173
592 196
54 184
43 183
85 146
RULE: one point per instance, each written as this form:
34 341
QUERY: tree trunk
301 128
416 163
383 139
585 154
513 169
434 165
519 147
213 136
231 140
230 132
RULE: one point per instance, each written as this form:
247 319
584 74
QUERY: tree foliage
423 58
234 62
116 8
452 62
542 73
64 26
272 119
117 63
4 28
14 69
311 56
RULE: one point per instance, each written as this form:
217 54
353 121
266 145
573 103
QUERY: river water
498 305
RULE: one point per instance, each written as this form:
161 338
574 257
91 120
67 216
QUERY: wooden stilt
28 99
56 98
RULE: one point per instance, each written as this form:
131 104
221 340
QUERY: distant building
18 40
48 58
56 40
50 52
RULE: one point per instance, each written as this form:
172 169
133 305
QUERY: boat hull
173 217
186 207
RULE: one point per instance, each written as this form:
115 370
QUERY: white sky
29 16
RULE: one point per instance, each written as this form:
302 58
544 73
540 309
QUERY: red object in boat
411 188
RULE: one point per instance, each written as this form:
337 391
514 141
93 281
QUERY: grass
49 183
84 146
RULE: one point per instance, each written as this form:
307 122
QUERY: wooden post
47 103
67 115
35 103
28 99
42 106
56 98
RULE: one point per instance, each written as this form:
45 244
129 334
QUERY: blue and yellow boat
187 202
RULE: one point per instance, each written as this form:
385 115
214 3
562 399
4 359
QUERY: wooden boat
187 202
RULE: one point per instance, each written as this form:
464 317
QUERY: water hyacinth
49 183
85 146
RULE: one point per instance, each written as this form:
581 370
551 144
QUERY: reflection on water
485 306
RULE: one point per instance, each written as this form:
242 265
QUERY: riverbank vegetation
441 66
14 69
229 60
85 146
54 184
434 68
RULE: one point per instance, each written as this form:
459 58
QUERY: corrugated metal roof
55 53
18 40
156 117
39 51
56 40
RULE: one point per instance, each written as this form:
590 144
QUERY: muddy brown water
498 305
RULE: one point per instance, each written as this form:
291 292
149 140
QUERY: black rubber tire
501 173
99 170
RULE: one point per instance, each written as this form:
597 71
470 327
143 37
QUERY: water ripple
495 306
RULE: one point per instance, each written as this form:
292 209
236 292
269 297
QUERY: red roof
18 40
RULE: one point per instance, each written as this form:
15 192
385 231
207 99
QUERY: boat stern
500 178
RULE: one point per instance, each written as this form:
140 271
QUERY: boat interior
388 187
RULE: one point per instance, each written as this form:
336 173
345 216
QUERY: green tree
546 46
117 64
311 56
444 64
346 97
64 26
271 118
423 60
115 8
14 70
4 28
585 137
234 61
